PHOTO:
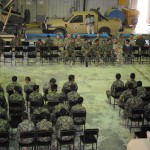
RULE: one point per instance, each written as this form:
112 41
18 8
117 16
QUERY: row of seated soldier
131 95
100 51
50 111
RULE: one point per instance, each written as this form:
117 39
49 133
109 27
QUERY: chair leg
96 146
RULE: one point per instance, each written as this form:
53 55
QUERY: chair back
53 48
31 48
44 133
7 49
138 111
15 120
134 48
91 132
79 114
24 43
27 134
36 104
145 128
19 49
52 103
4 134
68 133
43 48
72 103
120 89
16 107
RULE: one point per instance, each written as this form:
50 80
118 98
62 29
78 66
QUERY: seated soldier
58 108
36 96
64 122
3 112
47 86
73 95
44 125
53 95
25 126
132 80
141 91
10 87
3 99
17 96
39 44
132 103
28 87
116 84
125 95
66 86
78 108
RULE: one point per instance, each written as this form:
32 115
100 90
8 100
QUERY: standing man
89 21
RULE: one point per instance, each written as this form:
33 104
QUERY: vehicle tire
27 16
104 30
61 31
1 25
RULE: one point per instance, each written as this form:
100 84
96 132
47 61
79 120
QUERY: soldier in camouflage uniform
68 40
28 87
117 47
36 96
78 108
58 108
141 91
44 125
132 80
125 95
10 87
109 55
3 112
39 44
140 41
121 40
16 41
58 41
132 40
48 41
4 126
17 96
116 84
3 99
96 51
132 103
2 43
73 95
66 86
86 51
53 95
64 122
78 41
25 126
69 53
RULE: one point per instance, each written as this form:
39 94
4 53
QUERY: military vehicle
75 23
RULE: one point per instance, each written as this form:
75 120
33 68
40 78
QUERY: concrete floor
93 83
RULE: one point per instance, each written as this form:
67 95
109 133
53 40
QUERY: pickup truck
75 23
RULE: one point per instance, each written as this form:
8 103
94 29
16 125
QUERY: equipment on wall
131 16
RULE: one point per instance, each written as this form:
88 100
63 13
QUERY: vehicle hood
56 21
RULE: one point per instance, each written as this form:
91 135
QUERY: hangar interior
92 81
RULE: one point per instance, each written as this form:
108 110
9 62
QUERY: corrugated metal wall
62 8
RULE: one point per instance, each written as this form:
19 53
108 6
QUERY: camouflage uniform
86 51
134 82
124 96
121 41
29 86
78 108
118 52
59 42
40 110
39 44
116 84
66 86
109 55
140 42
96 52
36 96
63 123
48 42
67 41
3 100
73 96
52 96
10 87
4 126
44 125
134 102
58 107
25 126
16 41
141 91
70 52
16 97
3 112
47 88
78 42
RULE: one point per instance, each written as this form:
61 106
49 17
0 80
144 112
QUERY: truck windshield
67 18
